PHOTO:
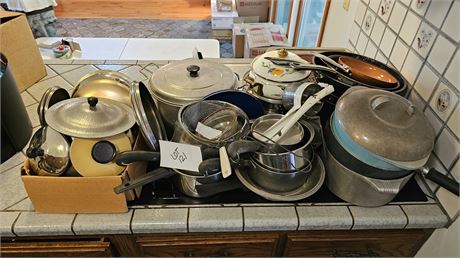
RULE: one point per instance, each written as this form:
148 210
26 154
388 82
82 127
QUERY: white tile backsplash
454 122
386 6
362 42
448 101
451 25
453 71
447 148
420 7
399 54
411 66
354 33
420 38
371 50
388 42
409 27
442 52
426 82
374 5
397 16
377 31
360 12
437 11
368 22
424 39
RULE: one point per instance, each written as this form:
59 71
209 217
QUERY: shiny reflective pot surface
276 181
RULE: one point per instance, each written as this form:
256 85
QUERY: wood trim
297 25
275 8
319 40
289 18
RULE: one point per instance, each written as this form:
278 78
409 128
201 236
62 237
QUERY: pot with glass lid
182 82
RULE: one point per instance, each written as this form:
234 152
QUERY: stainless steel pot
277 181
182 82
277 157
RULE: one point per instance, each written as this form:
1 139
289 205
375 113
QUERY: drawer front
216 245
356 243
77 247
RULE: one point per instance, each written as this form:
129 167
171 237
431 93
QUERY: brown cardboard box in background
66 194
18 45
259 8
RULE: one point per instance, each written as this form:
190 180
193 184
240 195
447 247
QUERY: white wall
443 243
338 24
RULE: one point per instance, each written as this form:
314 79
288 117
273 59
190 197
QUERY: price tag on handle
180 156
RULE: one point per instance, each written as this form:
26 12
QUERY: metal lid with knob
188 80
90 117
385 124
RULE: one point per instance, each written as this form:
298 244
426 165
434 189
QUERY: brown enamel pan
368 73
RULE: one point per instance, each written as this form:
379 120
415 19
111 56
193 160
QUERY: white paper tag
180 156
225 165
207 132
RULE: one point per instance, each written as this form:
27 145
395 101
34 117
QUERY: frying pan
96 157
368 73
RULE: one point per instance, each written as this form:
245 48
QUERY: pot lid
51 96
386 124
90 117
147 115
280 73
190 79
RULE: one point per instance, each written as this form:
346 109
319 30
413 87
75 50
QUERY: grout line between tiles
15 203
14 224
131 221
352 218
123 50
242 213
71 224
188 220
407 217
298 218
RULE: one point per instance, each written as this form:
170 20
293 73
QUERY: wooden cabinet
355 243
300 243
56 247
220 245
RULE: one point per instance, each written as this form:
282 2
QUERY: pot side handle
235 149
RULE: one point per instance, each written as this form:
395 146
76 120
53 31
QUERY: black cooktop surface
164 192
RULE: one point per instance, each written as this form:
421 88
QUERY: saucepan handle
150 177
444 181
209 166
235 149
128 157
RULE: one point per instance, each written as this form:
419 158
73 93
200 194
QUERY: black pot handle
208 153
215 188
209 166
444 181
235 149
128 157
150 177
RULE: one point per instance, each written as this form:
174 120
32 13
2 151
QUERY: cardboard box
261 36
82 194
260 8
222 20
222 34
18 45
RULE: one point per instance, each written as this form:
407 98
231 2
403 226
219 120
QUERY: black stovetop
164 192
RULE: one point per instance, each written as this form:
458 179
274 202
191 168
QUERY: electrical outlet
346 4
443 101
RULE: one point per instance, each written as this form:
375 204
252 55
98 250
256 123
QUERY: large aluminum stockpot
186 81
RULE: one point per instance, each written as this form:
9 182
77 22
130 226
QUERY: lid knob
103 152
92 101
193 70
282 53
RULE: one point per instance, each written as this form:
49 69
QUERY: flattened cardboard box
18 45
82 194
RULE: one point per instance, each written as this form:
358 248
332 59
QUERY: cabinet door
356 243
235 244
71 247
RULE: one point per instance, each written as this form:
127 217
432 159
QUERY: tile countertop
17 216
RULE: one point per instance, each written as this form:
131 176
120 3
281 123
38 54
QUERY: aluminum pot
276 181
182 82
276 157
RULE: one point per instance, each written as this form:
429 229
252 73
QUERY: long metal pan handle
152 176
128 157
235 149
449 184
344 68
